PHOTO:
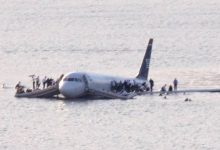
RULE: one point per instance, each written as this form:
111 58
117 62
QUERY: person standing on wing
151 85
38 82
44 82
175 84
33 82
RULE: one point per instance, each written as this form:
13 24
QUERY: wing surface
111 95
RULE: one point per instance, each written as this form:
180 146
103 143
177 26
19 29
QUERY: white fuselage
74 85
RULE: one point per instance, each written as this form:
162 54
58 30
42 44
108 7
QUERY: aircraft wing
184 91
111 95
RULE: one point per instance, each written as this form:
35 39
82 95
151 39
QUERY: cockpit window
73 79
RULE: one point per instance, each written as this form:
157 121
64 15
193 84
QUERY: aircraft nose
71 89
64 89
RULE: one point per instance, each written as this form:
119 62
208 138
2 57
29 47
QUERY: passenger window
72 79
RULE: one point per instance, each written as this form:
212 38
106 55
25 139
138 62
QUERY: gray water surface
54 37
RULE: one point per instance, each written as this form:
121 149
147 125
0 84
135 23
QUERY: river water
53 37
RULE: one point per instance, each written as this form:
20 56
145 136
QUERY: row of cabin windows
73 79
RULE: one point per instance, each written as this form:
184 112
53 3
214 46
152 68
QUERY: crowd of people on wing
128 86
131 86
36 82
45 81
170 88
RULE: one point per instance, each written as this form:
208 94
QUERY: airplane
90 85
83 84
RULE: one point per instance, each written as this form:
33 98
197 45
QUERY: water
55 37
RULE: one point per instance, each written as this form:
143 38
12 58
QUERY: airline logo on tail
147 61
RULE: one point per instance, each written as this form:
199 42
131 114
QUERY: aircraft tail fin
144 70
